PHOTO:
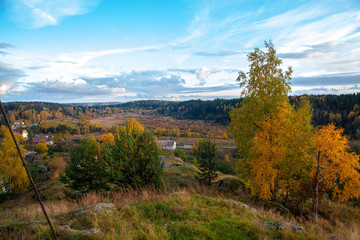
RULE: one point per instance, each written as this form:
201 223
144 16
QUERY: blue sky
117 50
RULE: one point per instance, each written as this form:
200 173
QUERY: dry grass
154 121
29 210
342 220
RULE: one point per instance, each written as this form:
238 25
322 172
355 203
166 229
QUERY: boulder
240 204
335 238
232 184
284 226
278 208
18 227
83 220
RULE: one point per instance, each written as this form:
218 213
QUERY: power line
27 171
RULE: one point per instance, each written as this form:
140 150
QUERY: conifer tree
133 157
86 170
207 159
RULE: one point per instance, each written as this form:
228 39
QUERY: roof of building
38 139
19 130
30 154
167 143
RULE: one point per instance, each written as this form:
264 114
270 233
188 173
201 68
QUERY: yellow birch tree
335 168
11 169
258 125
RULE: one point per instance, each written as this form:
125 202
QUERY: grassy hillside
149 215
183 210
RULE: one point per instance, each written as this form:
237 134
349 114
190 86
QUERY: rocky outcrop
278 208
19 226
240 204
276 224
284 226
335 238
83 220
232 184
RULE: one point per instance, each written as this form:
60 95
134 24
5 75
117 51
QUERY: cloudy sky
122 50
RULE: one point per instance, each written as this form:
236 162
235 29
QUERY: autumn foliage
281 154
335 167
107 138
14 177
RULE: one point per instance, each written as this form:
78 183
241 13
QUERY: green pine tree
208 162
86 170
133 157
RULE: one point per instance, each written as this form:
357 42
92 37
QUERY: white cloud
40 13
84 57
4 88
315 38
202 74
42 18
197 28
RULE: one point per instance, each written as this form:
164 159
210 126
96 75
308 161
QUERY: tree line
341 110
36 112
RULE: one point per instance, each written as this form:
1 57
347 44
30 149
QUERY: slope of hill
193 212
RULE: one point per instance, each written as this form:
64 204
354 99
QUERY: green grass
185 217
190 213
180 174
172 216
185 170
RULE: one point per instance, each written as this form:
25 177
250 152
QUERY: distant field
158 121
110 121
154 121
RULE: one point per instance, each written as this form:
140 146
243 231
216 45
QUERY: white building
168 145
22 132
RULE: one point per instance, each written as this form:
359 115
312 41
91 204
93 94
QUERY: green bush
181 154
225 167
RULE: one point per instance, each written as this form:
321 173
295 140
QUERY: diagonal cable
27 171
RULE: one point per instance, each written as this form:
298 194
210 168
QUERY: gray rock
284 226
335 238
278 208
182 193
240 204
98 208
20 226
90 231
86 216
232 184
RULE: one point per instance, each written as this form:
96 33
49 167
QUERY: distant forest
342 110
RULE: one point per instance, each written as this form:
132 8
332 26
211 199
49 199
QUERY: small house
168 145
32 157
22 132
18 123
36 140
